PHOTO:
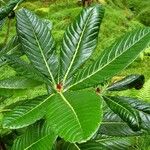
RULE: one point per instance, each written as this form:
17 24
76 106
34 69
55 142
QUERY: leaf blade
27 113
25 69
132 81
80 40
122 52
18 83
125 111
69 112
38 43
38 136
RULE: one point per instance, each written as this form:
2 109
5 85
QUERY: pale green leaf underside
26 113
75 116
37 42
37 137
113 59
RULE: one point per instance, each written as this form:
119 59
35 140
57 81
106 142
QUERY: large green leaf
25 69
124 110
80 39
37 42
110 143
132 81
37 137
113 59
143 108
18 83
75 116
26 113
113 125
5 10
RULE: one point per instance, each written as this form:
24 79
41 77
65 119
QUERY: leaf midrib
77 49
76 116
106 63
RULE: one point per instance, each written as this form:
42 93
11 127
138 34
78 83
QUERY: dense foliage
79 110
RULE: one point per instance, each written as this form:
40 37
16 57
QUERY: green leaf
26 113
49 23
2 23
5 10
124 111
37 42
80 39
37 137
113 125
110 143
17 82
25 69
112 60
12 47
75 116
62 145
144 111
131 81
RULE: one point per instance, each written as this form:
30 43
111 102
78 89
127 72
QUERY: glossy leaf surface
114 59
110 143
62 145
80 39
75 116
113 125
144 110
18 83
37 42
131 81
5 10
25 69
37 137
26 113
124 110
